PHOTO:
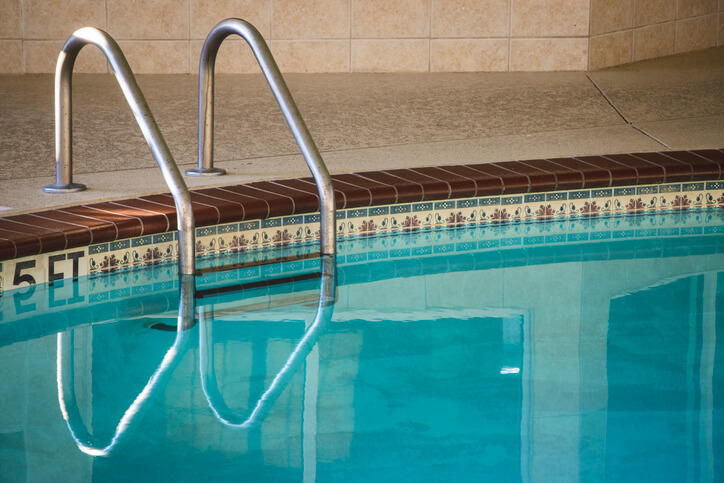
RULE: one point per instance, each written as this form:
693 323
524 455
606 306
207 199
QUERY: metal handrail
222 412
328 241
64 136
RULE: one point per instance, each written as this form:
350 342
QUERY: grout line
23 63
429 36
510 33
190 69
618 111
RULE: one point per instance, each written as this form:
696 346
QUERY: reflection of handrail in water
327 298
67 399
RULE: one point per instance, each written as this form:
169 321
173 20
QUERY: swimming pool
565 350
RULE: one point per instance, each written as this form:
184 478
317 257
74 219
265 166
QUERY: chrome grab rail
327 298
328 241
144 118
66 384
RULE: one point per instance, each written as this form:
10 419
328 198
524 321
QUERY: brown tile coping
52 230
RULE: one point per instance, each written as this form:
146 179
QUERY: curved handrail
137 102
328 241
327 298
67 400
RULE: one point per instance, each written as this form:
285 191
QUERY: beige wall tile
158 57
611 15
57 19
546 18
693 8
610 49
309 56
379 19
234 57
721 30
470 18
696 33
721 5
310 19
11 57
649 12
148 19
548 54
390 55
207 13
10 19
469 55
41 56
654 41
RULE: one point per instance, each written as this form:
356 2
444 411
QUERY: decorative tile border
483 246
508 220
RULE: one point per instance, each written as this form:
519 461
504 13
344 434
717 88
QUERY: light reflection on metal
225 28
142 113
66 383
327 298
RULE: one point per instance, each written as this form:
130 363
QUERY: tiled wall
165 36
624 31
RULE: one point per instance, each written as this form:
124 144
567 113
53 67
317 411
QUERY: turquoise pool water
520 353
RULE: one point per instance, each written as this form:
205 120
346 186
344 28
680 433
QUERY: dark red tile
676 171
460 186
646 172
539 179
252 208
593 176
75 236
432 188
301 185
340 197
360 191
304 202
101 231
126 227
566 178
7 249
621 174
703 168
51 240
406 191
715 155
512 182
485 184
278 205
155 218
204 214
227 210
25 245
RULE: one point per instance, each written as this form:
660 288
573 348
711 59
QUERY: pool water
571 362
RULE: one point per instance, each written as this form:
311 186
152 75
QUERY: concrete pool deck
360 122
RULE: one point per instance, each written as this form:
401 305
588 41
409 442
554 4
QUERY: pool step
256 263
270 282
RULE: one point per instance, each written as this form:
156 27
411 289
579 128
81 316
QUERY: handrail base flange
205 172
64 188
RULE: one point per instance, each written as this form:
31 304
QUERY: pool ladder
135 99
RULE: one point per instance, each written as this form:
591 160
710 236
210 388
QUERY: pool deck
360 122
380 125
